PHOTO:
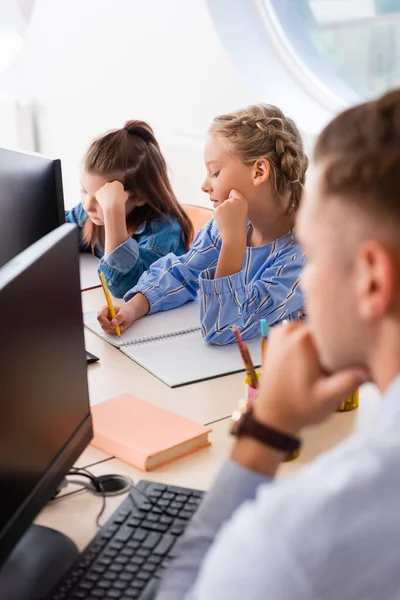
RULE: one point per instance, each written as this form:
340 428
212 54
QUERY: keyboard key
178 505
133 569
143 576
106 562
116 545
155 494
128 552
120 585
111 553
98 593
168 496
146 506
185 514
143 552
154 517
158 510
133 544
86 585
121 560
119 519
163 503
124 534
138 560
165 545
181 490
166 520
114 594
158 487
182 498
172 512
193 500
98 569
110 576
140 535
92 577
76 596
133 522
138 584
129 594
126 577
177 530
154 559
151 541
149 568
104 585
160 527
150 526
115 568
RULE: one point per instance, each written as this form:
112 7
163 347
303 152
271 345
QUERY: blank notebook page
187 358
149 326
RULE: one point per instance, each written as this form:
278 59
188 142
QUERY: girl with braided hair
246 262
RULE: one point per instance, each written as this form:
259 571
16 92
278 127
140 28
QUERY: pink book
143 434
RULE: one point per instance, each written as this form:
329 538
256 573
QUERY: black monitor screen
31 200
45 418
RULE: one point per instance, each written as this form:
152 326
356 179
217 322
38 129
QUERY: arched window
353 47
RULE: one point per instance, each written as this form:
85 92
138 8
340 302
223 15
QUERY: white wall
92 64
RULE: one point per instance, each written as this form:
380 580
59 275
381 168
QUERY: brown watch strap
248 426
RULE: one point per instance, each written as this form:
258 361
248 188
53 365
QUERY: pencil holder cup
250 393
350 403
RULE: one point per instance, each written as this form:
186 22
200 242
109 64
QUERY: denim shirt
267 287
123 267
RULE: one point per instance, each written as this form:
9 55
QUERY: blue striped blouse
267 287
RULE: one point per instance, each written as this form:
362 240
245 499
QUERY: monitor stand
36 564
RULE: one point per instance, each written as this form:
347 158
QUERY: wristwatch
245 424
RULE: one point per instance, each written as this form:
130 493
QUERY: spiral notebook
170 346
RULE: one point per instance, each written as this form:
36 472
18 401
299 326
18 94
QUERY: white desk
117 374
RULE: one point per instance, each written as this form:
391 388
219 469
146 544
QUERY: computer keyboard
126 559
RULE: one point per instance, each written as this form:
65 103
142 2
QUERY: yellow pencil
109 300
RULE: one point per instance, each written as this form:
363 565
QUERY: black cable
83 488
82 472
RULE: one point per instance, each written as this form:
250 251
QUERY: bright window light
10 45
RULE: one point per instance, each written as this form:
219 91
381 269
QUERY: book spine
120 451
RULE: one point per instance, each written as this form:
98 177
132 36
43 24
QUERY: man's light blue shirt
331 531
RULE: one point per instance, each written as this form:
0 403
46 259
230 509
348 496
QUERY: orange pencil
251 370
248 365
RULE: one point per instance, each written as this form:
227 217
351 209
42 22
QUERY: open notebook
170 346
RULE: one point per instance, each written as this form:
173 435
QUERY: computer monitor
31 200
45 420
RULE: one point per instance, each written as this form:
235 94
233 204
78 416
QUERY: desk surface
116 374
205 402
